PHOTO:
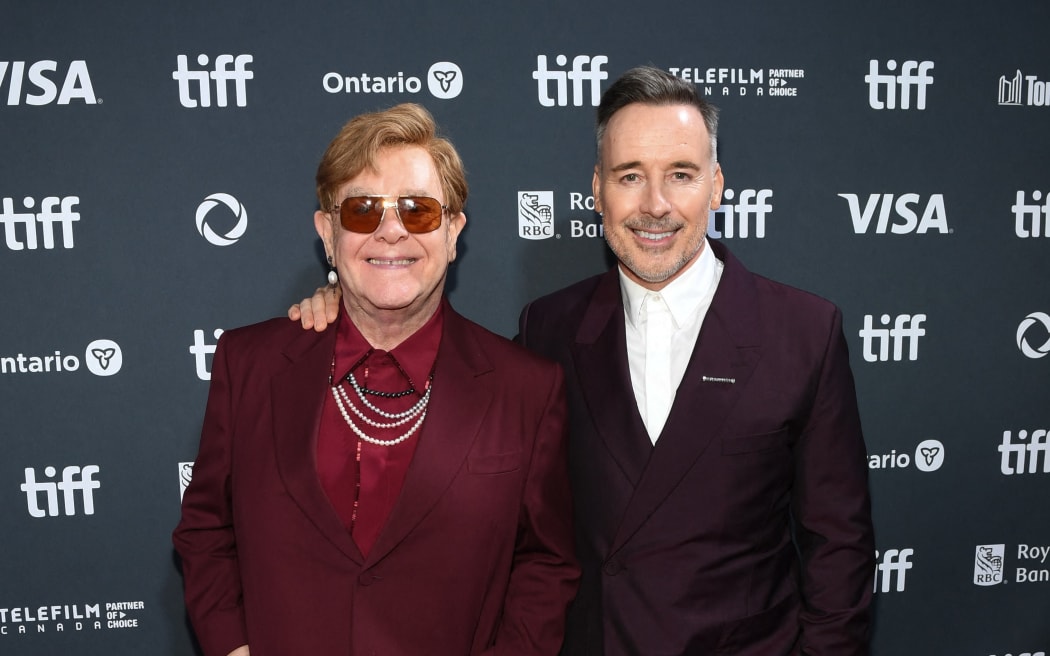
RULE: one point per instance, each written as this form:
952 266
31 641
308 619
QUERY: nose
654 201
392 230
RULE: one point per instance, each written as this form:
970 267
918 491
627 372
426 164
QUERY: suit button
612 567
366 578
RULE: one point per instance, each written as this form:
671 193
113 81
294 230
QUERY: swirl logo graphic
445 80
1023 334
234 233
103 357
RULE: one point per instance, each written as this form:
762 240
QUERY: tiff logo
201 351
1031 220
883 87
52 210
894 565
585 69
900 216
222 75
1015 453
77 83
74 479
1010 91
736 220
906 327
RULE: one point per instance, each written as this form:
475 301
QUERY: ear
455 226
324 224
718 183
596 190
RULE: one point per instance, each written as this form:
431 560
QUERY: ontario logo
444 81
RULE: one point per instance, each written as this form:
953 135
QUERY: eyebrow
681 164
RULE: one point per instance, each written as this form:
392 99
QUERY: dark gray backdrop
92 117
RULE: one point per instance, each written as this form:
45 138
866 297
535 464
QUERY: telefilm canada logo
1023 90
205 217
444 80
49 226
69 617
990 566
102 357
770 82
46 82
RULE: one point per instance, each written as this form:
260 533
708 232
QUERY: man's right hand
316 312
240 651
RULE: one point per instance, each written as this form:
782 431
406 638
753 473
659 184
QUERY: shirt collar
416 354
682 295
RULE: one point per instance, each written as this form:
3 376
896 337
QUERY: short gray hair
651 86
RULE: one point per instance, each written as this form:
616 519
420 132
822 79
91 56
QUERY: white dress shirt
686 299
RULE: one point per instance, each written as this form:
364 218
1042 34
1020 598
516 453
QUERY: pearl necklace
342 400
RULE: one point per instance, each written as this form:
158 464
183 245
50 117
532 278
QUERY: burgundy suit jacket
687 547
476 556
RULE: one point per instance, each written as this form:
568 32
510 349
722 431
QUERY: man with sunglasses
396 485
716 456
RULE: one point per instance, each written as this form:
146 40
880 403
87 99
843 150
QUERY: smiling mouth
381 262
653 236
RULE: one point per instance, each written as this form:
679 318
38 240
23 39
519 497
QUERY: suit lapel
600 354
458 404
727 348
298 396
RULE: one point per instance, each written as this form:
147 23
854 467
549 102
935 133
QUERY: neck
385 329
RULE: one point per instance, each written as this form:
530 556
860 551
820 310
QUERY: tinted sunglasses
363 214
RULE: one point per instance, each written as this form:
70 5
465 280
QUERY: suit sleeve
204 537
831 506
545 574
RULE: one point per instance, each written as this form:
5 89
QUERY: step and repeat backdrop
156 181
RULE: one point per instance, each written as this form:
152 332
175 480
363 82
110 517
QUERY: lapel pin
717 379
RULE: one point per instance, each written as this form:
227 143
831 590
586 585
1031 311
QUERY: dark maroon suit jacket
687 546
476 556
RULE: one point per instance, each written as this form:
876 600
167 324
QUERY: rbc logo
913 74
76 85
73 479
535 214
899 217
585 69
906 327
52 210
730 221
988 564
234 233
222 75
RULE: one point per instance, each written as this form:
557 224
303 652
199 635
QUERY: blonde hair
356 146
